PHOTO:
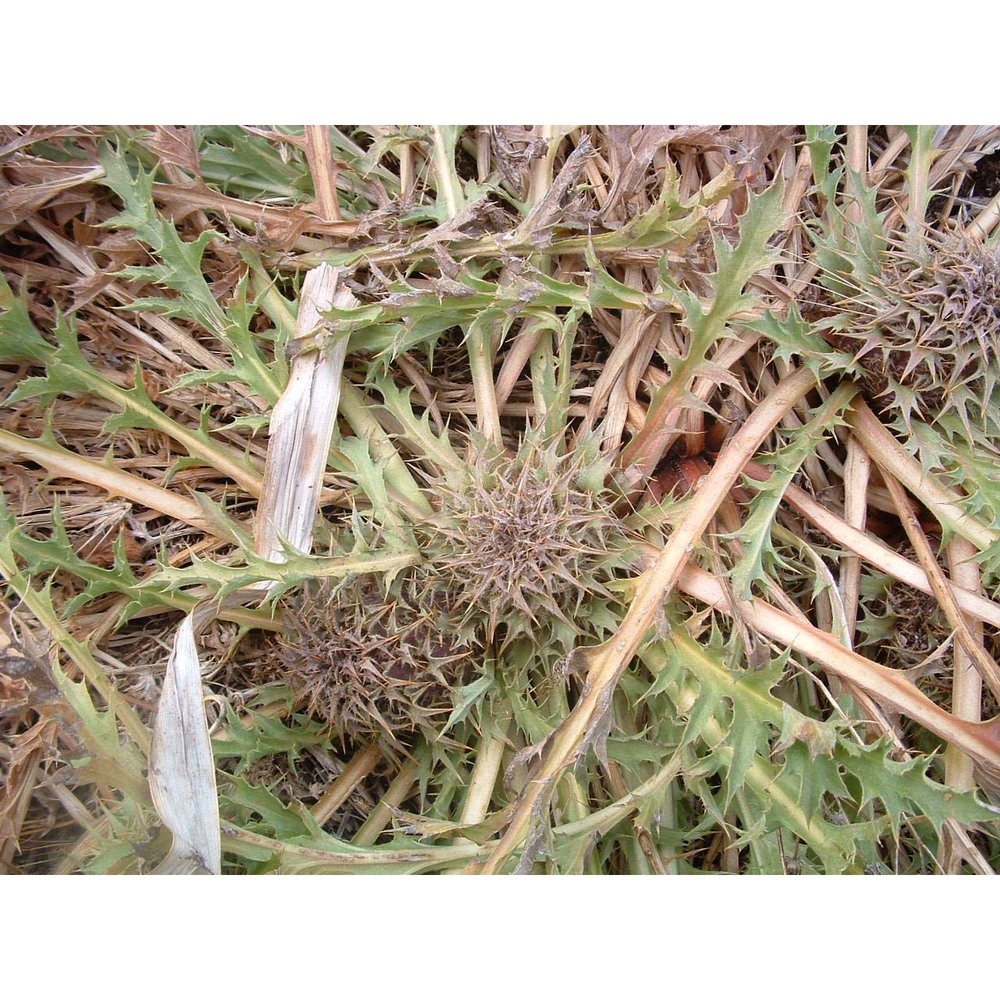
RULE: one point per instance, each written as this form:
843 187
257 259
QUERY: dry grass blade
21 200
324 170
967 683
856 476
114 481
282 222
15 797
181 767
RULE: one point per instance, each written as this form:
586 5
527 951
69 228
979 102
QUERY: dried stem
942 589
357 769
323 168
856 474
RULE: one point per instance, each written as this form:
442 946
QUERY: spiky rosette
925 328
372 661
524 542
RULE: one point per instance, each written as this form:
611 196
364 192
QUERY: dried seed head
522 543
926 328
371 662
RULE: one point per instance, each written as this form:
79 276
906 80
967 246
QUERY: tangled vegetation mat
606 500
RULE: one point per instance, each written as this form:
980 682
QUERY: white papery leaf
181 768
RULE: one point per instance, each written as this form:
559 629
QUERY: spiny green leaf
799 342
116 761
755 535
467 698
283 821
417 432
69 371
735 266
818 737
19 339
251 166
256 736
669 222
706 708
821 139
369 474
179 269
605 292
223 579
904 787
44 556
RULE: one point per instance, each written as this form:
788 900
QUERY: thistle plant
522 650
374 663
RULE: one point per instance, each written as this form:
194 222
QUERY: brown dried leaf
550 209
274 219
175 145
28 751
35 185
632 148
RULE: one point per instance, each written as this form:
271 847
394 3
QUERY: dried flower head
524 542
371 660
925 328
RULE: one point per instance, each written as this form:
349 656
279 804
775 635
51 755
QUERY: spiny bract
924 326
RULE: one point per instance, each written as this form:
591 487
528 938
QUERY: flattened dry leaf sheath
181 768
303 421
